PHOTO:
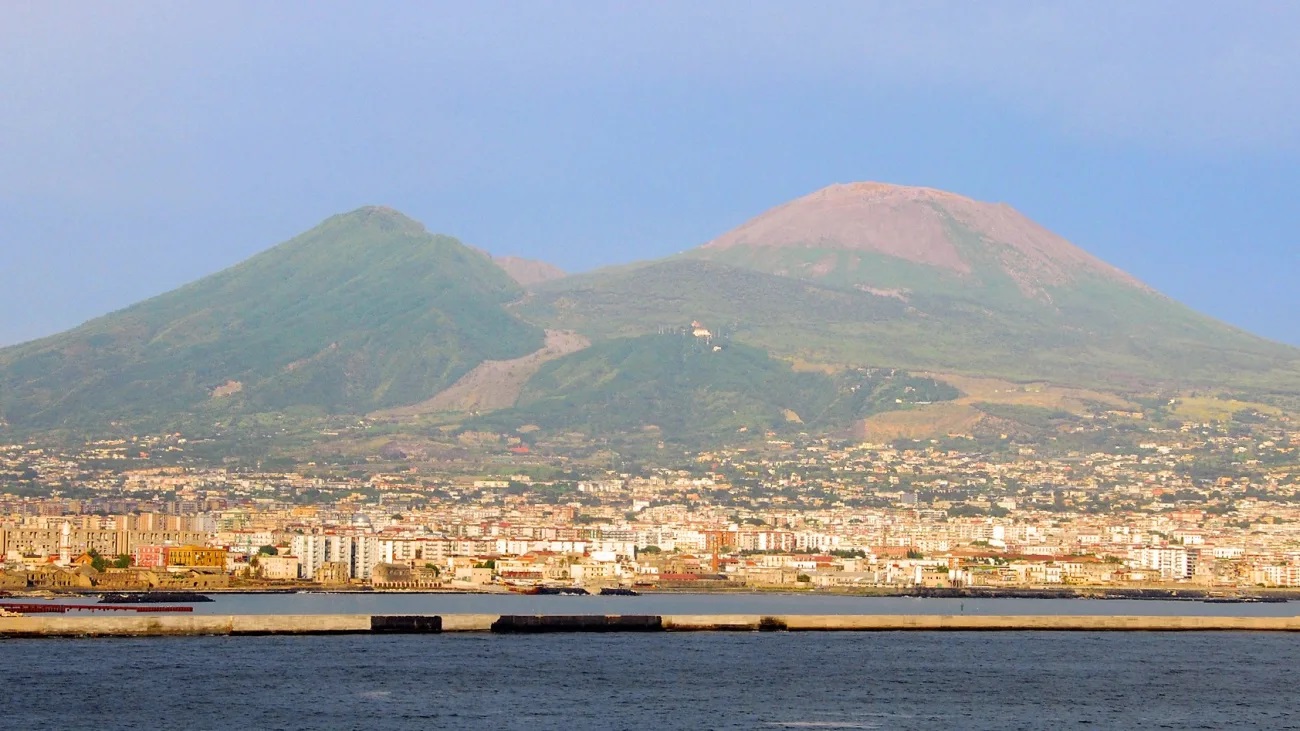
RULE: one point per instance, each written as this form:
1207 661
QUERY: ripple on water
1004 680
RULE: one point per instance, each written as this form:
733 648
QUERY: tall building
1172 563
314 551
365 555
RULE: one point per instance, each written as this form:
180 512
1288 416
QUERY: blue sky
145 145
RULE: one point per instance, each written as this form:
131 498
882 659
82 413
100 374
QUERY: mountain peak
365 311
918 225
379 217
885 191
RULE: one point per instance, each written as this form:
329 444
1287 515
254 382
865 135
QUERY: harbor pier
166 625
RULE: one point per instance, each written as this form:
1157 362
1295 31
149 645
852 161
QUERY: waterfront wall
181 625
238 625
974 623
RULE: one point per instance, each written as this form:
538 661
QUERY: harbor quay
324 624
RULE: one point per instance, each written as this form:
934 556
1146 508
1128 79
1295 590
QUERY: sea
775 680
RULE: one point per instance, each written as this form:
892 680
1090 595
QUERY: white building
1276 575
315 551
1172 563
365 556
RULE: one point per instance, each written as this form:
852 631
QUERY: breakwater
316 624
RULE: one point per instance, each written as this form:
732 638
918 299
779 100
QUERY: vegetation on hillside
368 312
1034 417
868 309
365 311
685 388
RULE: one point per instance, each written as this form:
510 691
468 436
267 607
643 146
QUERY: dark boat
153 597
561 591
618 591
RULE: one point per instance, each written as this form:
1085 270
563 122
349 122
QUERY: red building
150 557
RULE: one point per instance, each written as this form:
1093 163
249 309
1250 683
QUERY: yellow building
194 556
332 572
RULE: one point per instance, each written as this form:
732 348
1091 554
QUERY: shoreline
1091 593
350 624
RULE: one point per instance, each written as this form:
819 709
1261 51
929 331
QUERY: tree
268 550
97 562
123 561
650 550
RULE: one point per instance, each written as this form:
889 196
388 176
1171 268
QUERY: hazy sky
144 145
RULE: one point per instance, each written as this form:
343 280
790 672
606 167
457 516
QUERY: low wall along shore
235 625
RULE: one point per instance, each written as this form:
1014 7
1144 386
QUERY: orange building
196 556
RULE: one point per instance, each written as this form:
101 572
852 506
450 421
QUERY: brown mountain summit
924 226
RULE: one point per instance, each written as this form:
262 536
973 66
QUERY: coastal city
1211 506
575 366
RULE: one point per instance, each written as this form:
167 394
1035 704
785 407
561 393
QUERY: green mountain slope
692 388
365 311
1096 334
923 280
369 311
641 298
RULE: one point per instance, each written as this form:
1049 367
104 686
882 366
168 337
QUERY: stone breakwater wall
316 624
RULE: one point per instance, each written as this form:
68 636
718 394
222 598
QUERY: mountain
894 276
528 271
819 315
860 234
365 311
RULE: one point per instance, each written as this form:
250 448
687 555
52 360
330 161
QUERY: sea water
912 680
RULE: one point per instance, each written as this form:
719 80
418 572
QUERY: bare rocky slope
493 384
528 272
920 226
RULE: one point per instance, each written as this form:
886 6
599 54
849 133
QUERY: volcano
919 226
872 274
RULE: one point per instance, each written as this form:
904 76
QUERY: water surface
919 680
